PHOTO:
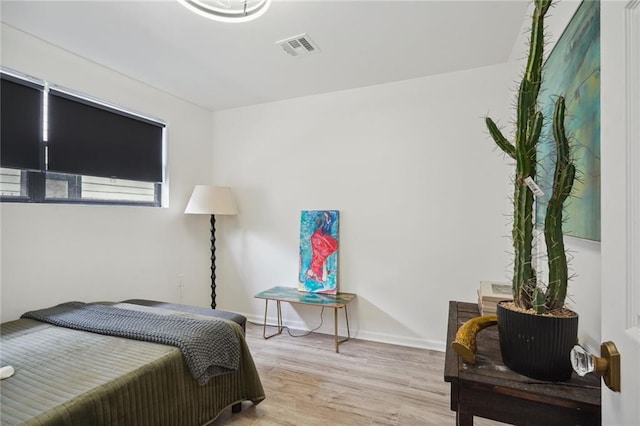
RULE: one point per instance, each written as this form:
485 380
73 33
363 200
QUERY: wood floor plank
368 383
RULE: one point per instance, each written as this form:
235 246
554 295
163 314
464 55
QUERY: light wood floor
367 383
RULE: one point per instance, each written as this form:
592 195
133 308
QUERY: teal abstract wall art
573 70
319 251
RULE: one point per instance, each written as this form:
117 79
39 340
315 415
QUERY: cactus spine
529 121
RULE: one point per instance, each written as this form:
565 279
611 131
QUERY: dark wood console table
489 389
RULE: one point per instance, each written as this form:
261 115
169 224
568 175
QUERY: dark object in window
90 139
20 123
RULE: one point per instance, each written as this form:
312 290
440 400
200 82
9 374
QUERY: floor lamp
213 200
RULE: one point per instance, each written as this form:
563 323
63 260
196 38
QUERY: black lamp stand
213 261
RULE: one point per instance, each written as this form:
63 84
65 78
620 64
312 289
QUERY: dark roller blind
86 138
20 121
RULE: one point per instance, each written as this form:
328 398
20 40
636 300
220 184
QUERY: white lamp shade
207 199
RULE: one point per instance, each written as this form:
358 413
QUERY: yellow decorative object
465 343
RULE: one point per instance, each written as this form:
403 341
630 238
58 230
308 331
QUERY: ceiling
220 65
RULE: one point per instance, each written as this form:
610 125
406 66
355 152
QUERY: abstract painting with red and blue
319 251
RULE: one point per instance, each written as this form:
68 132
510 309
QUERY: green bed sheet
69 377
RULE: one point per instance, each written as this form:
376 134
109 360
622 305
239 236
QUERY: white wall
421 190
53 253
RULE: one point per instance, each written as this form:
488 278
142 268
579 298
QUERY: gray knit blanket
210 347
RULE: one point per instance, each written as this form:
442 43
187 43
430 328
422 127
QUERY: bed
67 376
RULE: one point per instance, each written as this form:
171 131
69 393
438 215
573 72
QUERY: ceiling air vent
299 45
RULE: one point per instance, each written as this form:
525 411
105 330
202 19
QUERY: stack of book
490 293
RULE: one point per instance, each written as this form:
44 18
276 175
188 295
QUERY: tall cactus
529 122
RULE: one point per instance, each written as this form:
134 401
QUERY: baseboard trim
327 328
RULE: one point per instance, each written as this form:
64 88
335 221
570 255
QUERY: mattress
69 377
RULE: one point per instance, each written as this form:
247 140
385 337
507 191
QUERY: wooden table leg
463 418
279 320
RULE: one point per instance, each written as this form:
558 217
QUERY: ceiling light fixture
228 10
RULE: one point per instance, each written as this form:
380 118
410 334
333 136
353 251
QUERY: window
67 188
12 183
60 147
